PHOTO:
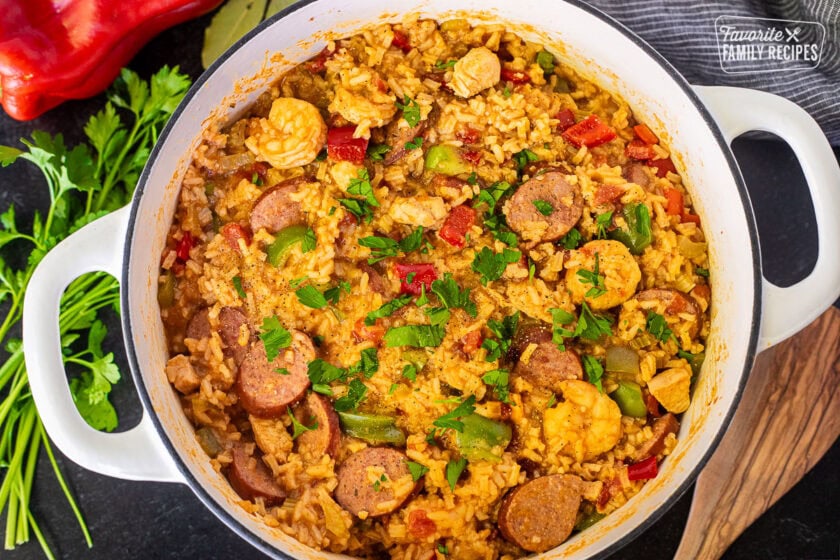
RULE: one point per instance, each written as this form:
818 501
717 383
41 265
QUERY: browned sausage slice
364 494
199 325
674 303
397 136
546 366
324 439
566 208
635 173
541 514
231 320
667 424
266 392
251 479
275 209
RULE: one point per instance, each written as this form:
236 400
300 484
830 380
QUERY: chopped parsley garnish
506 92
450 420
441 65
532 269
523 158
551 401
454 469
657 326
311 297
438 315
441 547
410 111
543 207
472 180
571 240
495 223
237 285
274 337
393 388
451 296
368 363
377 484
255 178
387 309
504 331
309 241
498 379
332 294
595 278
385 247
594 371
491 195
700 271
298 281
418 336
321 373
546 61
417 470
559 333
409 371
355 395
282 371
414 144
297 427
602 222
492 265
377 152
591 326
360 186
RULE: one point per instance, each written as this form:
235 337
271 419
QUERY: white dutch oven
749 314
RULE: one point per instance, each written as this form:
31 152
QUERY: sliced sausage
674 303
251 479
275 209
546 366
344 243
271 437
667 424
635 173
376 282
541 514
231 320
363 497
566 208
199 325
262 389
397 134
325 438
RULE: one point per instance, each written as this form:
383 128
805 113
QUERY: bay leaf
231 22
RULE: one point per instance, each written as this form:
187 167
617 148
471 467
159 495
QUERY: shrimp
617 276
293 134
586 424
476 71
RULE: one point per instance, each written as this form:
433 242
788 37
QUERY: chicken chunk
293 134
476 71
421 210
182 374
671 389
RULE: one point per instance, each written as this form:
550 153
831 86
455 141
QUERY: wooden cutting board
789 416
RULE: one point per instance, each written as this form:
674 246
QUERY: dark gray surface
147 520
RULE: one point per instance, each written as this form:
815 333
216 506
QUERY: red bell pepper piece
693 218
516 77
419 525
52 51
662 166
675 202
233 233
457 224
424 275
341 146
637 149
643 470
589 132
318 63
468 135
645 134
471 342
182 250
565 119
607 193
373 333
401 41
472 156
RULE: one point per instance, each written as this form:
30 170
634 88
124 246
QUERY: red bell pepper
645 134
662 166
424 275
457 224
643 470
589 132
565 119
607 193
468 135
341 146
401 41
516 77
675 202
373 333
637 149
471 342
318 63
472 156
52 51
185 245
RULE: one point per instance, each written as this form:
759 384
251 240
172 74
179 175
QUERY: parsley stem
45 547
116 166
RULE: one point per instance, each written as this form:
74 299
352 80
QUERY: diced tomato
468 135
607 193
515 76
419 525
662 166
182 250
645 134
318 64
472 156
637 149
565 119
372 333
643 470
457 224
675 202
652 405
341 146
604 496
424 275
589 132
401 41
471 342
693 218
233 233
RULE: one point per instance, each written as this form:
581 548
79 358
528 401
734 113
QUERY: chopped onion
689 249
621 359
234 162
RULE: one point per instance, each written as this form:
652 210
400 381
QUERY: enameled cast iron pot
748 313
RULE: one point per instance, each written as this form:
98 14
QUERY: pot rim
233 522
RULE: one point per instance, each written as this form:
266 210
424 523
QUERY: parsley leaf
523 158
237 285
410 111
657 326
418 336
321 373
385 247
449 421
309 241
282 371
546 61
417 470
451 296
333 294
358 208
377 152
602 222
274 337
571 240
361 187
441 65
551 401
498 379
700 271
387 309
492 265
297 427
594 371
414 144
592 326
355 395
595 278
504 331
491 195
409 371
311 297
560 317
368 363
454 469
543 207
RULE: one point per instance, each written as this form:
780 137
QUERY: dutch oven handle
785 311
136 454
